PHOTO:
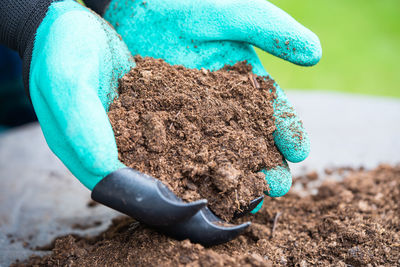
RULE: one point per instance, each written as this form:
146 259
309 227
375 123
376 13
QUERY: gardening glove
212 33
72 60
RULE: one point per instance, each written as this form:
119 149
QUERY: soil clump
355 222
204 134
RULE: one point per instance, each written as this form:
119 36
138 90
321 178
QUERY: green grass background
360 42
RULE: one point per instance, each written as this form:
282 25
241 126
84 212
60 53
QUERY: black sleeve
98 6
19 20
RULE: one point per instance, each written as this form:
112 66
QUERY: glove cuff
98 6
19 20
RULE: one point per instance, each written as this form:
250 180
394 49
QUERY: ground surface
345 131
355 222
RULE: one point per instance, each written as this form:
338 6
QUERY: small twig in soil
176 116
253 81
133 226
278 214
237 200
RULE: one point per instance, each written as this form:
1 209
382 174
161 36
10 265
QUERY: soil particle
84 226
351 223
92 204
204 134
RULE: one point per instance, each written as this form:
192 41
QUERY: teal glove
76 61
212 33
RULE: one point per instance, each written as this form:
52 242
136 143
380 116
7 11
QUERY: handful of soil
204 134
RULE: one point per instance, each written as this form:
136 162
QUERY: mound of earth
204 134
355 222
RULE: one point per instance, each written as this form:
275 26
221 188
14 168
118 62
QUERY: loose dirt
204 134
351 223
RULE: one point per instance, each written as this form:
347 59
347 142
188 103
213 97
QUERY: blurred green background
360 42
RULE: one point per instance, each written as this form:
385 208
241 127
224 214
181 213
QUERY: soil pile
351 223
204 134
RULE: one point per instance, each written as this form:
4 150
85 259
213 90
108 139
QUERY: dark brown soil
351 223
204 134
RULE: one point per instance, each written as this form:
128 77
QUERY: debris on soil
84 226
204 134
355 222
92 204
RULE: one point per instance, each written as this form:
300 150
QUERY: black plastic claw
205 228
253 204
144 198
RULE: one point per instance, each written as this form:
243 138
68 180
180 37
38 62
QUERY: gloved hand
74 59
211 33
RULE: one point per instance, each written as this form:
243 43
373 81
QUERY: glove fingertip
295 147
312 51
279 180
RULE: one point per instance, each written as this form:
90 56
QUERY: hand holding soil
205 134
210 34
213 126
